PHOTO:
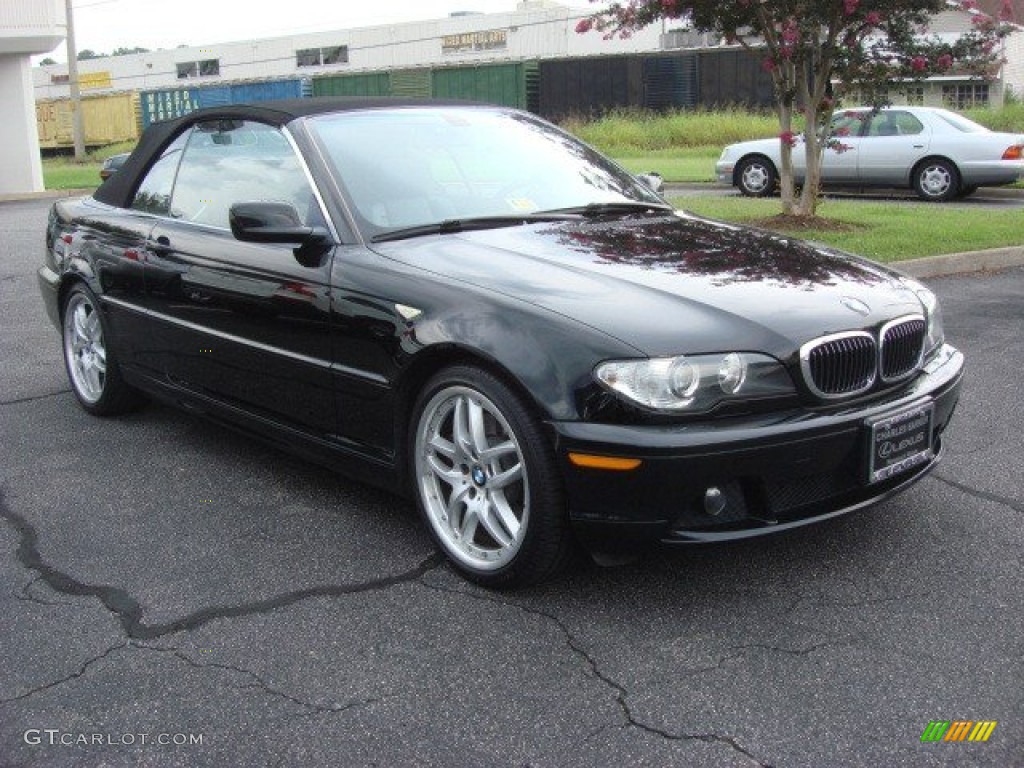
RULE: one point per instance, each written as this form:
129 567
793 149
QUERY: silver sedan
939 154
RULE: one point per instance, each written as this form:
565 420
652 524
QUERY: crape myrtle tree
822 51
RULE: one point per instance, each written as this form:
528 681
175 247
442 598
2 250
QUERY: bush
627 132
1009 119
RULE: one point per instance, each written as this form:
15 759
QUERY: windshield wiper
451 226
593 210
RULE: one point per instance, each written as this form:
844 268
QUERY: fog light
714 501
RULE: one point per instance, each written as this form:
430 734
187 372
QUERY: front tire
936 181
92 366
756 177
486 481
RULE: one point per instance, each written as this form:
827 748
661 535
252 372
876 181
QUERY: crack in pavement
129 611
1013 504
621 693
26 595
68 678
258 682
34 398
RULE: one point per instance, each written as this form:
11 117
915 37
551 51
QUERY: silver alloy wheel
84 348
472 478
935 179
755 177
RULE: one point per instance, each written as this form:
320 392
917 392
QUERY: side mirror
273 222
651 180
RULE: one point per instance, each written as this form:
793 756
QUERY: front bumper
724 171
774 471
49 288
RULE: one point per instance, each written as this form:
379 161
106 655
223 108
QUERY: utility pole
77 125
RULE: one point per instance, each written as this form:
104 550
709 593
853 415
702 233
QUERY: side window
154 193
895 123
848 123
234 161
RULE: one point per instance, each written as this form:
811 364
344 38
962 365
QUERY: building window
191 69
914 95
319 57
965 95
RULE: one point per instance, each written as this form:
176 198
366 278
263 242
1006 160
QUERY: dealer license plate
900 442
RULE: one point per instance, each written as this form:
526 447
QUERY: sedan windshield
410 168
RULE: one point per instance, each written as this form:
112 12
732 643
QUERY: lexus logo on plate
856 305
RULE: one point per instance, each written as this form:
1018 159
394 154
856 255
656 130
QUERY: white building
27 27
537 29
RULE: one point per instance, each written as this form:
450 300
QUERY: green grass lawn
64 174
690 164
884 231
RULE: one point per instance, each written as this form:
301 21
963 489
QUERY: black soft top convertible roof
119 188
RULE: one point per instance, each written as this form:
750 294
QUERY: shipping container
271 90
590 87
670 82
109 119
411 83
508 85
168 103
734 77
374 84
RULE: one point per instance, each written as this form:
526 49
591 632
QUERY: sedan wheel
936 181
485 480
92 369
757 177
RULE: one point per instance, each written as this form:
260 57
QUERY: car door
245 324
119 251
894 141
840 158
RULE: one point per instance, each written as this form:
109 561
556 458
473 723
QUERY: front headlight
936 335
695 383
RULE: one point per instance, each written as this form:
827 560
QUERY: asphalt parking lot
175 595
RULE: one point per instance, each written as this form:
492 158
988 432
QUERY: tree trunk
808 204
787 189
785 85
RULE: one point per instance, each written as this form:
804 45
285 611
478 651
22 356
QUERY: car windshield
960 122
405 168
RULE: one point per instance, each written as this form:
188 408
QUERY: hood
767 147
671 284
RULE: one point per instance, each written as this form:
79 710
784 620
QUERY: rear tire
91 364
486 480
756 177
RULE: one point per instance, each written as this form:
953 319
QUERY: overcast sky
103 25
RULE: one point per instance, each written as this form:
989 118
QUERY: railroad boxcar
107 119
168 103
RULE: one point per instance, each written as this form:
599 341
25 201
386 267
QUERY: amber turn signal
1016 152
614 463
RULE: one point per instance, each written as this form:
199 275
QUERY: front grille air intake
840 365
902 346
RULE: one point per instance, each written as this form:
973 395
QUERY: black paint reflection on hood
721 252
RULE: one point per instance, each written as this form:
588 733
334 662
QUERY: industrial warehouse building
531 58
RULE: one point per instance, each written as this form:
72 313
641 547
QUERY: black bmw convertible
467 305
